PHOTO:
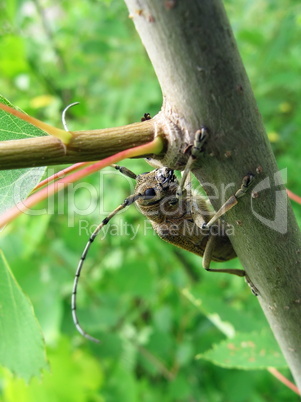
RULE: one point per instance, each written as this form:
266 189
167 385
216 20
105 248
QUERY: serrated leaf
22 348
82 372
14 128
15 185
252 351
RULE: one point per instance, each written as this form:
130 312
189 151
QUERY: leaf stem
62 135
284 380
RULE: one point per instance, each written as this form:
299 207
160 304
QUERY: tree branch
203 81
84 146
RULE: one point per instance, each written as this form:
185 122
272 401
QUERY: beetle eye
149 193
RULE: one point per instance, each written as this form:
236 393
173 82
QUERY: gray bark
203 81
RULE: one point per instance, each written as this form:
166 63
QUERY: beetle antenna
128 201
64 114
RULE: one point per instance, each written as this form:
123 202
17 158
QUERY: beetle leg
207 257
199 140
251 285
232 201
208 252
127 172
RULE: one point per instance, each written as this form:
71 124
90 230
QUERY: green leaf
22 347
14 128
226 316
15 185
75 377
253 351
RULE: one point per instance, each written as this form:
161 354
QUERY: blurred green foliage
151 305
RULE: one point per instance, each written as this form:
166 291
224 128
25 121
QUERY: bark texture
204 83
84 146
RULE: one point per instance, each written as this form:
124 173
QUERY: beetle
177 215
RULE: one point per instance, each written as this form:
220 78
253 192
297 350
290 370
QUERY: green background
166 327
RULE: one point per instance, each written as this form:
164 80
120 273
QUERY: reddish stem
62 135
293 196
284 380
61 174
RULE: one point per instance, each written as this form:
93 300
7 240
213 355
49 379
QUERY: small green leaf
14 128
22 348
15 185
253 351
75 376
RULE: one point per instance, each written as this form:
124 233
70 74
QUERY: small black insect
146 116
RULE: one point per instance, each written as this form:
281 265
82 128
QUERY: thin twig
284 380
293 196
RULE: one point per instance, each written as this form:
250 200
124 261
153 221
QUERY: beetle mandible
177 215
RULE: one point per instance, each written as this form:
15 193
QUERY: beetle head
155 186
